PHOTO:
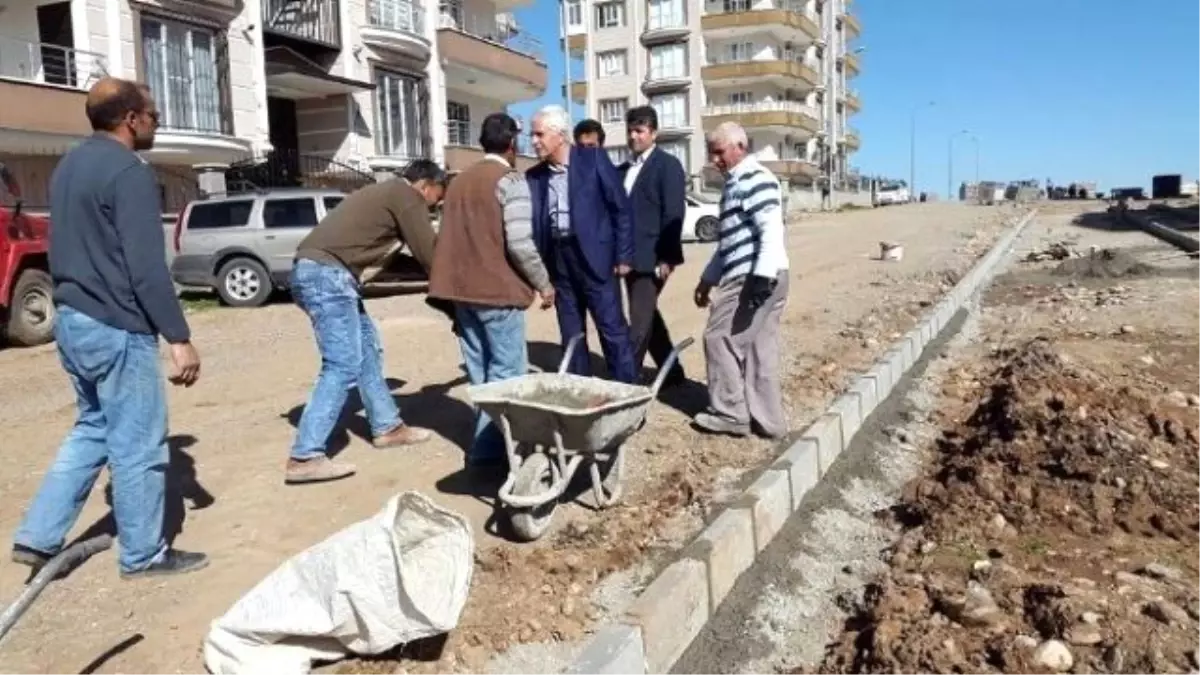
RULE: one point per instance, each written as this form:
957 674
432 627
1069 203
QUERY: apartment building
305 88
780 68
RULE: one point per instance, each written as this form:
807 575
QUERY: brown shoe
402 435
316 470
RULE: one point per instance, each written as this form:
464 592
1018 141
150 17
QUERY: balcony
851 64
852 139
665 28
665 80
794 170
489 56
312 21
579 92
785 67
853 102
790 23
783 116
45 87
397 26
576 43
853 27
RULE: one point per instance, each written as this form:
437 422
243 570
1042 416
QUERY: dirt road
1028 505
232 431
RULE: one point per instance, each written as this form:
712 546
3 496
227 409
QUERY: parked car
242 245
26 302
702 220
892 193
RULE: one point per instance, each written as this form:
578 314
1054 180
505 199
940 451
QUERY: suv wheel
708 229
243 282
31 316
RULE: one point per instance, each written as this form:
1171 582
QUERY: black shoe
174 562
24 555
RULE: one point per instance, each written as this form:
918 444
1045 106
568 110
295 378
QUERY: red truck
26 292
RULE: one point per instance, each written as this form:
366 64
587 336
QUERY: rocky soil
1055 528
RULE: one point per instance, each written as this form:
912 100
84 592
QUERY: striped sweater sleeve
765 209
513 194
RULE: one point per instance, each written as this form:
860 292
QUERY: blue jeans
492 340
350 355
122 423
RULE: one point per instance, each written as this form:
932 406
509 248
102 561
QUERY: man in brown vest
487 264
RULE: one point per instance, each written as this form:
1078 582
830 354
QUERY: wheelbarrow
70 558
552 423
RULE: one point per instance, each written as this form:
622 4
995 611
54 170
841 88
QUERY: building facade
310 87
780 68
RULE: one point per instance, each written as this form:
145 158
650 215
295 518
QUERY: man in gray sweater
114 297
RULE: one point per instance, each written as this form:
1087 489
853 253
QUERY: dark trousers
579 293
647 330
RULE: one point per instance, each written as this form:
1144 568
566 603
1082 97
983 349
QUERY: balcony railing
796 7
761 107
397 15
499 30
310 20
667 21
773 54
45 63
655 74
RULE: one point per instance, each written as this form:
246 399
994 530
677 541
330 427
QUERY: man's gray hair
555 117
730 133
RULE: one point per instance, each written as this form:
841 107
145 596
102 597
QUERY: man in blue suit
582 228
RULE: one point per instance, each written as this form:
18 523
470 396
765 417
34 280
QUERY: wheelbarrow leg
607 496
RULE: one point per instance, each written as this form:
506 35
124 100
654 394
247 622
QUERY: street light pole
912 151
950 162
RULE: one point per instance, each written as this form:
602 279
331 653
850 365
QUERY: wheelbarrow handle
667 365
70 557
569 352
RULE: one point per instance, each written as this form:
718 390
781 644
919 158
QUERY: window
298 212
575 13
611 64
612 110
331 203
181 70
209 215
671 109
740 51
458 123
665 14
452 10
736 5
740 98
610 15
401 124
619 154
679 149
667 61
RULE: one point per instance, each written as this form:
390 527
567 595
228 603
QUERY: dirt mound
1103 264
1056 530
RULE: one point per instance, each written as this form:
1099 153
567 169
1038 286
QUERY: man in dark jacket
349 247
657 187
114 297
486 264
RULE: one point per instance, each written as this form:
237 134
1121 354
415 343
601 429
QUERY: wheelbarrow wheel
534 476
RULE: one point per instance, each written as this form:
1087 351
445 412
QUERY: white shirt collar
497 158
641 159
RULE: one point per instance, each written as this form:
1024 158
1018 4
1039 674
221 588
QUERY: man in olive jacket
349 247
486 263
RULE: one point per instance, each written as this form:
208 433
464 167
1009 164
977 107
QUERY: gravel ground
231 433
841 590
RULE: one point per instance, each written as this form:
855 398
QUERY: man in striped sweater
745 285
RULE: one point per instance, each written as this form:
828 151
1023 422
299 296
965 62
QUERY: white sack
401 575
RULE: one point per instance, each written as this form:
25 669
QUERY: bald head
111 100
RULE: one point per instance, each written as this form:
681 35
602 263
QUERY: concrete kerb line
671 611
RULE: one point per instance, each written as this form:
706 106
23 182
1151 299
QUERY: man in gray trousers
749 274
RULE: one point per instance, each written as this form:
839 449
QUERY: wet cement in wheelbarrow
566 398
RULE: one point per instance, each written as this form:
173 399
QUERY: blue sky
1089 90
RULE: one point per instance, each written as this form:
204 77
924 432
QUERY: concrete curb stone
670 612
